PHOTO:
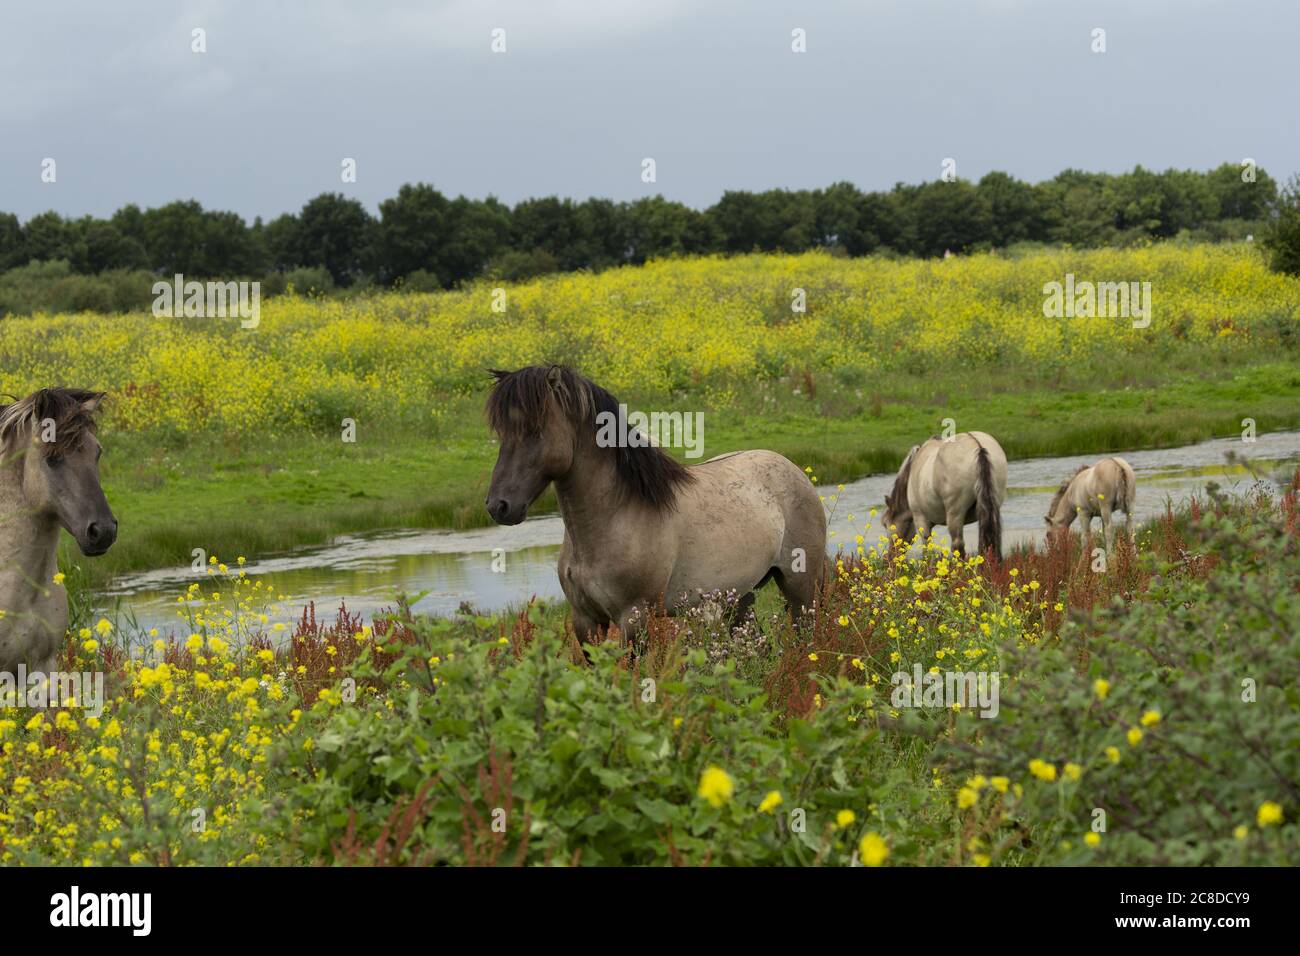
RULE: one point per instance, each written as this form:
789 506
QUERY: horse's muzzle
502 512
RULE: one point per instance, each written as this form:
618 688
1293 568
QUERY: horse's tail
1125 492
987 511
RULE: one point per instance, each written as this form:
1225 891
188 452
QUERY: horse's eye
54 462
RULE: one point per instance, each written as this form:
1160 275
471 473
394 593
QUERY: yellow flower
967 798
845 818
981 859
1073 771
770 802
1042 770
1092 839
59 577
1000 784
1112 754
1101 688
1151 718
873 850
91 645
715 786
1241 832
812 657
1270 814
104 627
843 621
1134 736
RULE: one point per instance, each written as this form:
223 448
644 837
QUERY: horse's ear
555 377
498 373
91 404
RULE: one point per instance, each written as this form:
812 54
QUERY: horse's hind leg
957 532
800 588
744 606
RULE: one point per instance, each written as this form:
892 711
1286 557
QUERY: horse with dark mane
641 529
49 478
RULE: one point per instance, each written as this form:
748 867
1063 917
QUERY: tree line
426 239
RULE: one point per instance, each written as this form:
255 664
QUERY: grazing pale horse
49 478
951 481
640 528
1095 491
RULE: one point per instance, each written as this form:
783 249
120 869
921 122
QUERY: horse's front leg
1085 531
1107 527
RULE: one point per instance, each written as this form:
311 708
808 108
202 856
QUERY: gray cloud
588 88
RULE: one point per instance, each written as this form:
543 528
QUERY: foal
1095 491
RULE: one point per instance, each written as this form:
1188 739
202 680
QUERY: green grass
254 495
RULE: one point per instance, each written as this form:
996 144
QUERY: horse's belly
722 554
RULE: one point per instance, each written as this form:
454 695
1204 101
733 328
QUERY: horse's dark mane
522 402
1060 492
66 407
896 500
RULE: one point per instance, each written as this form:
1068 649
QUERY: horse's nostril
98 533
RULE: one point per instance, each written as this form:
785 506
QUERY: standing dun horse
49 478
640 529
951 481
1095 491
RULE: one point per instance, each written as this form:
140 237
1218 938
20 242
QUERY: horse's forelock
66 407
522 402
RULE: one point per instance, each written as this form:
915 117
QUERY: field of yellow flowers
230 439
708 326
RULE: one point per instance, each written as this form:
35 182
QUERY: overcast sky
710 89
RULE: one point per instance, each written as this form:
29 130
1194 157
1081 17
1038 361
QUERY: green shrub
593 765
309 281
1194 730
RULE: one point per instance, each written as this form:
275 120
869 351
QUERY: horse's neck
28 542
1076 496
588 495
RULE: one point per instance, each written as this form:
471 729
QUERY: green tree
49 236
951 216
1013 209
411 231
11 242
1282 238
334 232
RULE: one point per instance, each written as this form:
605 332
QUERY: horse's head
1061 511
898 513
534 415
52 431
